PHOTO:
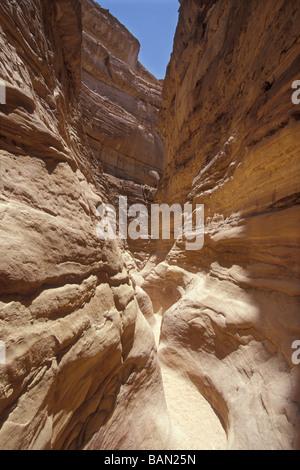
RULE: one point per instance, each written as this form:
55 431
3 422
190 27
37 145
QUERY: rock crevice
84 123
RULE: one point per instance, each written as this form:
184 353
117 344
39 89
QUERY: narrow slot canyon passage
114 337
196 425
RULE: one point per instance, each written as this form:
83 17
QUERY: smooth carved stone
120 100
232 144
77 366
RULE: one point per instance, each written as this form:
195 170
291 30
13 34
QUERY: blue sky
153 23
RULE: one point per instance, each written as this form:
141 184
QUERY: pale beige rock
78 349
232 140
145 304
193 419
82 368
120 100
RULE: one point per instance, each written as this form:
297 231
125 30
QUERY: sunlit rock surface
80 356
120 100
231 131
81 369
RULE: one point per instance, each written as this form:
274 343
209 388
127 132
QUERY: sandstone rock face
120 100
78 348
232 141
80 368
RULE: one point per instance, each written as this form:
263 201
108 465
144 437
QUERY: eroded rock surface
231 131
78 348
120 100
81 368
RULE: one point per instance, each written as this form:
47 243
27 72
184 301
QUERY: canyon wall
80 357
120 100
81 369
230 310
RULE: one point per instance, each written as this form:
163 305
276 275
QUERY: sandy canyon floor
196 425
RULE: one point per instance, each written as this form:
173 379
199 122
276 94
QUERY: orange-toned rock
120 100
232 141
78 348
79 367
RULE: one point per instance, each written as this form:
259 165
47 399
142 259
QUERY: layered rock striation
81 369
120 100
230 310
80 359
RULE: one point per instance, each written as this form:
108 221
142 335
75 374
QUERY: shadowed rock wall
120 100
78 348
231 131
